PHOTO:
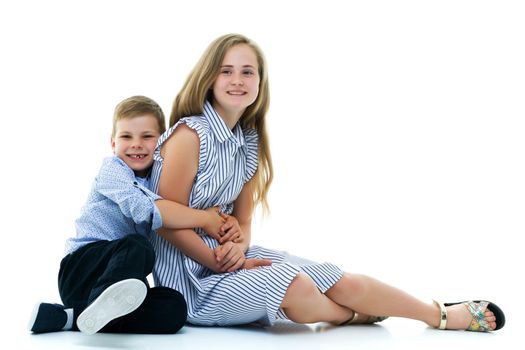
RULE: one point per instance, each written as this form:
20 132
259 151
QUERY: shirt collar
220 129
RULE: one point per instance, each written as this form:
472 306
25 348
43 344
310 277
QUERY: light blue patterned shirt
119 204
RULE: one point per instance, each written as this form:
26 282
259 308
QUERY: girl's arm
243 211
181 158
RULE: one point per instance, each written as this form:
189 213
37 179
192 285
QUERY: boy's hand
230 230
214 223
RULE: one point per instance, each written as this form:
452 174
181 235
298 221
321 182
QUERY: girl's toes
490 318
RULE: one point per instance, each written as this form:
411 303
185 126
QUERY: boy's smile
134 142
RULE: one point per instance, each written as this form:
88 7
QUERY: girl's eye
248 72
226 72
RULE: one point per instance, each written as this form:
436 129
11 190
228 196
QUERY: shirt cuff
156 223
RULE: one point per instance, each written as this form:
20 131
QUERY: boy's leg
48 317
88 272
163 311
119 299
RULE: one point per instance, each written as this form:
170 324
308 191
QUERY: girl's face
237 85
134 142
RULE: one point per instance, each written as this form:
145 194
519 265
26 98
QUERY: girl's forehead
240 52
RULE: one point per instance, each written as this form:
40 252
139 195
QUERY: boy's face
134 142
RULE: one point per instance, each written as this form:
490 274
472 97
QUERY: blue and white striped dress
227 160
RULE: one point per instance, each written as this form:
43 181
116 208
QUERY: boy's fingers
227 225
215 236
226 237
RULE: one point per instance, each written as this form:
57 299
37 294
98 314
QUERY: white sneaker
117 300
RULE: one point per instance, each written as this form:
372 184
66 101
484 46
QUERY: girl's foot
459 317
477 316
360 318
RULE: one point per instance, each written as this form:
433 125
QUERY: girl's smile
237 84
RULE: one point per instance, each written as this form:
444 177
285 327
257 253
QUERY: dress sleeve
199 125
252 153
117 182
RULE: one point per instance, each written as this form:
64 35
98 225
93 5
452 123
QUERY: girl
216 154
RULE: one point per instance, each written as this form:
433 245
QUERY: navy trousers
88 271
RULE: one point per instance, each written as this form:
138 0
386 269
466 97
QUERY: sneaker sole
117 300
32 320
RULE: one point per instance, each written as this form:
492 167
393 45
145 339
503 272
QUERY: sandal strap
443 315
477 309
369 320
351 320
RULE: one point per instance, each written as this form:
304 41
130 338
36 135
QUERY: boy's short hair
136 106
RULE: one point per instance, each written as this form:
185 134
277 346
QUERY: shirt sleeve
117 182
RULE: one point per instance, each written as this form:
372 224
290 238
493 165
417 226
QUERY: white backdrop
396 129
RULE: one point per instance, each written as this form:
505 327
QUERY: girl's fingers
237 265
228 257
222 251
231 263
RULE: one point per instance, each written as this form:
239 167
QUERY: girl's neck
230 118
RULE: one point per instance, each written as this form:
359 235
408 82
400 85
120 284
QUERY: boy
102 279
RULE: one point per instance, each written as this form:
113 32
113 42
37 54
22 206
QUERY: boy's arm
177 216
116 181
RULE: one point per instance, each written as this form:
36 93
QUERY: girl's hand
214 223
230 230
230 257
253 263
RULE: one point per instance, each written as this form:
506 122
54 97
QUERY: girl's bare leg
304 303
367 295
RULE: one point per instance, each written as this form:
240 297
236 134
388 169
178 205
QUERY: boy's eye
125 136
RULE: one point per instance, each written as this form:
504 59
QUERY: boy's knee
176 308
139 244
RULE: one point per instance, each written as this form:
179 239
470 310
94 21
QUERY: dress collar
220 129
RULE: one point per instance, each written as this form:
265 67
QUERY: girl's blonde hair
198 88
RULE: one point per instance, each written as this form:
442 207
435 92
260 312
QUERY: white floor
391 334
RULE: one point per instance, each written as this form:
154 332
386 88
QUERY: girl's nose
237 79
